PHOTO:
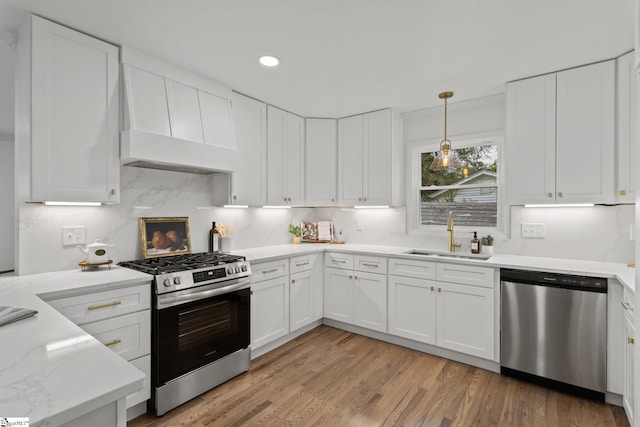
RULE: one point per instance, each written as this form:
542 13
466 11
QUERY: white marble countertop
51 371
611 270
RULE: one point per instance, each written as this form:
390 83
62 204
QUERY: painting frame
164 236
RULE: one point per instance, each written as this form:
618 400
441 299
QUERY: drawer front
337 260
144 364
373 264
269 270
412 268
128 335
81 309
302 263
466 275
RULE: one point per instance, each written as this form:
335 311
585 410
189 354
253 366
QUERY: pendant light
446 158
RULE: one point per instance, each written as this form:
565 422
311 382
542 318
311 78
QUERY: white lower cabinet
465 320
121 320
628 382
412 308
305 291
269 302
355 290
424 307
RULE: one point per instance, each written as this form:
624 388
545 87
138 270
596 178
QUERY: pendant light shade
446 158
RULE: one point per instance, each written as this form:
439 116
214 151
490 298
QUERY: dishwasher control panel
569 281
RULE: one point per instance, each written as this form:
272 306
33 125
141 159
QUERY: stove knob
177 281
167 283
229 270
244 267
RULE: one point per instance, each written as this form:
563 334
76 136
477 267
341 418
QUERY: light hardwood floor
330 377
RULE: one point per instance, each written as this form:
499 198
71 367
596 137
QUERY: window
471 191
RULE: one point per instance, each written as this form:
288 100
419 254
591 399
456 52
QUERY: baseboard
257 352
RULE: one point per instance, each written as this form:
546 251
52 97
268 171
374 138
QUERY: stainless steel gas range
200 324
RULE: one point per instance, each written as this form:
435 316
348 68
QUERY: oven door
195 327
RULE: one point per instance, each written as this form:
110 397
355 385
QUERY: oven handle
166 301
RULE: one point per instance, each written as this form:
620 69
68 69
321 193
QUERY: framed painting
164 236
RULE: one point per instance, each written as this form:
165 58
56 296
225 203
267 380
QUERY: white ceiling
341 57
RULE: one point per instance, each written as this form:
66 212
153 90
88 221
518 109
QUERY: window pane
473 205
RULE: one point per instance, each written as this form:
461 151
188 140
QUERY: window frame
414 172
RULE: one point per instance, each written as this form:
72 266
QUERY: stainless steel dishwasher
554 330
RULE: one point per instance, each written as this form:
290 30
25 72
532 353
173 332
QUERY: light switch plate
359 224
73 235
532 231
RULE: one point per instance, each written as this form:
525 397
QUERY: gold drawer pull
97 307
432 288
439 289
300 264
368 264
631 340
114 342
560 194
338 261
271 270
293 281
622 192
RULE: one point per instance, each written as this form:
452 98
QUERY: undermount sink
448 254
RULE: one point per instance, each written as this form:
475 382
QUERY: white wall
7 206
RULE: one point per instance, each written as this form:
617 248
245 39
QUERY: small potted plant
487 244
296 231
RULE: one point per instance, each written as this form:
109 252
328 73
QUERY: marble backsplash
599 233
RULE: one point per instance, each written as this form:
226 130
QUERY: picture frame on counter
164 236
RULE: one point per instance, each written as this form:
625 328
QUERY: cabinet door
629 369
466 319
217 125
338 294
301 300
585 134
249 183
531 138
377 157
294 159
321 163
627 129
350 152
74 113
184 111
269 310
412 309
370 301
276 130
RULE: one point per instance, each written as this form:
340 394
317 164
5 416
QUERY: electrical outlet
73 235
359 224
532 231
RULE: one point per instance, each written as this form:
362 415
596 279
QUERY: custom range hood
174 119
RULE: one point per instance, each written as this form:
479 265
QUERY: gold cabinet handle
114 342
300 264
235 197
293 281
251 292
350 277
359 199
432 289
97 307
369 264
338 261
364 199
439 289
550 195
113 191
621 192
333 200
631 340
560 194
271 270
355 277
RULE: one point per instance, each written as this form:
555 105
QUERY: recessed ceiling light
269 61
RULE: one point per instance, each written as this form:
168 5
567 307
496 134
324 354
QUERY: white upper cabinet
561 136
627 129
66 115
249 182
369 160
321 162
285 158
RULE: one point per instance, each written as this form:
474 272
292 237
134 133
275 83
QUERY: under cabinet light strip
236 206
72 203
566 205
371 207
